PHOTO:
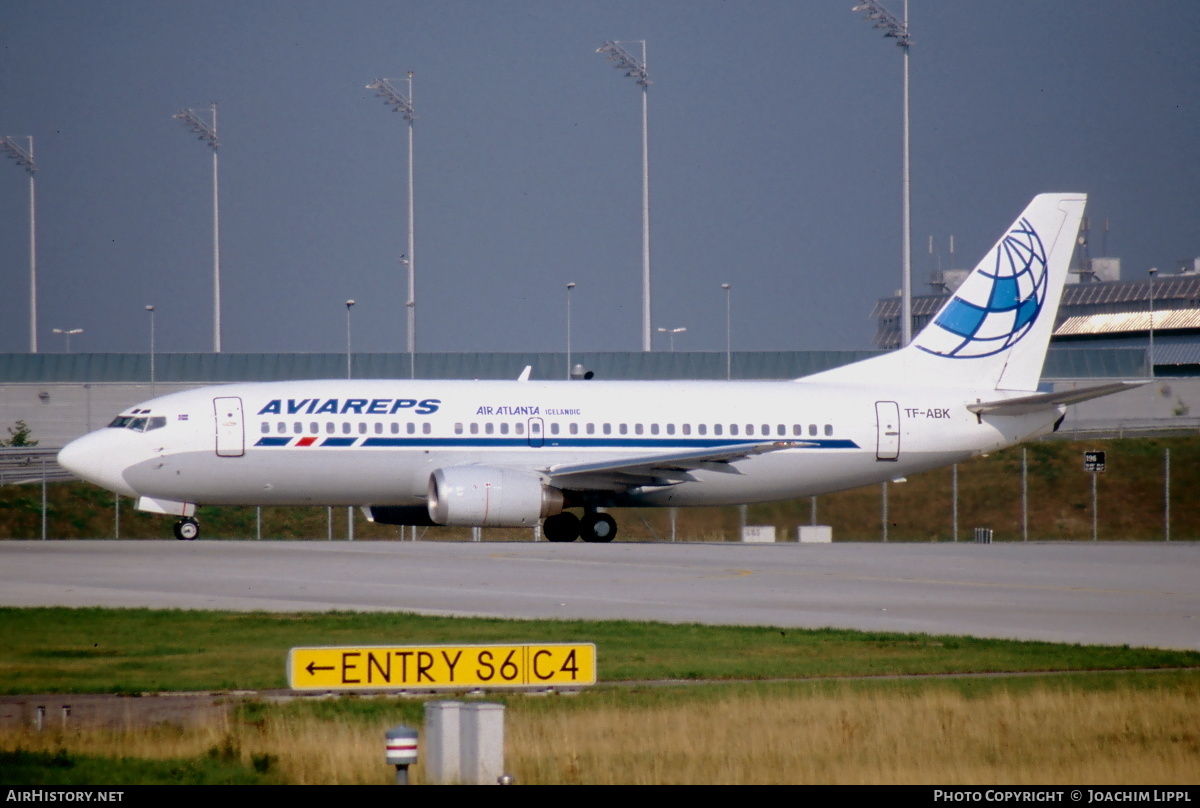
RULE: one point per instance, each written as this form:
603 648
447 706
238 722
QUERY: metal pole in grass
43 499
258 523
1094 519
885 513
117 516
954 500
1024 495
329 523
1166 494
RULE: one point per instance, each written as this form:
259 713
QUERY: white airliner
512 453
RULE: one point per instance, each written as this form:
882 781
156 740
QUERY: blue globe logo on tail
998 303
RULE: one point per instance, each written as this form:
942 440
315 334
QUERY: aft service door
231 436
887 421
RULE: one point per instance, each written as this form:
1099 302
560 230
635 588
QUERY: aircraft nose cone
95 458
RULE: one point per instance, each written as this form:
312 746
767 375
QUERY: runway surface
1110 593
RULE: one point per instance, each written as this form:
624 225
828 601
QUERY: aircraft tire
187 529
561 527
598 527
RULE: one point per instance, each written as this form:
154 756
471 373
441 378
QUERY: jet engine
486 496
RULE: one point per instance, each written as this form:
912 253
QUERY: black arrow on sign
313 666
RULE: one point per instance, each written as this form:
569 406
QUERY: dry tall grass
934 735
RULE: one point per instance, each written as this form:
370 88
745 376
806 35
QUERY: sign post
1093 461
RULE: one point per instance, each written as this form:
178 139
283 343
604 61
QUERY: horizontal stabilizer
1044 401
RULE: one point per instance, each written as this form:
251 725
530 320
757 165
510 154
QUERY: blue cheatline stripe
578 443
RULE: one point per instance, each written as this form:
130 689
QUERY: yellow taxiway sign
441 666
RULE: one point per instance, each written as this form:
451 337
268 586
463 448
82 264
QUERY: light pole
24 158
402 103
68 334
1153 272
150 310
349 305
570 286
672 332
898 30
636 69
728 335
208 134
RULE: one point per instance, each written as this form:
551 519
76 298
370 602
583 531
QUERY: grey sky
774 162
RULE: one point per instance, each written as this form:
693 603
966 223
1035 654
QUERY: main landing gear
593 527
187 529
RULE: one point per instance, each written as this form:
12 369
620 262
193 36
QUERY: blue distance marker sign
442 666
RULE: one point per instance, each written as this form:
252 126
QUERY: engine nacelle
486 496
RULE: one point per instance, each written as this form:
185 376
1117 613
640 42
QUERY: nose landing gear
187 529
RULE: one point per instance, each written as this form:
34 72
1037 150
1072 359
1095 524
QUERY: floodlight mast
24 158
898 30
208 134
636 69
402 103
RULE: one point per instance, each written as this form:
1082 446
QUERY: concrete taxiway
1138 594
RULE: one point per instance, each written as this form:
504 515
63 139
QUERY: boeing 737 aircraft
512 453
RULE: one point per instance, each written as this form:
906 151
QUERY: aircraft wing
659 469
1042 401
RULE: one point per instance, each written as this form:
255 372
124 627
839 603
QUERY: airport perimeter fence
1037 492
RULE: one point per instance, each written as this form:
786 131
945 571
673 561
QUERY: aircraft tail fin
994 330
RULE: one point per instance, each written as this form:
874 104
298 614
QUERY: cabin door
536 438
231 433
887 422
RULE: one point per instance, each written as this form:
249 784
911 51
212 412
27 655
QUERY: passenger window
297 427
395 428
591 429
812 429
670 429
702 429
574 429
828 429
733 429
504 428
489 427
329 427
637 429
781 430
281 428
797 429
411 428
749 429
554 429
520 428
623 429
265 427
458 429
379 427
687 429
362 428
345 427
426 427
608 429
717 429
653 429
474 429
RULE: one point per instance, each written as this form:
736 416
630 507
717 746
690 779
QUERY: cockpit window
139 423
